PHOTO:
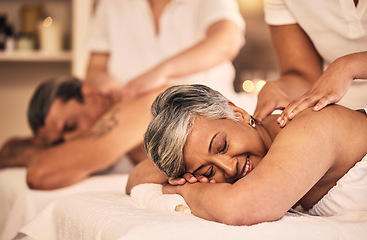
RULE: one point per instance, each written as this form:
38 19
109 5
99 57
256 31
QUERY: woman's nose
228 165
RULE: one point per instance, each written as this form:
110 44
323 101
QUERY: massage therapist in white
321 48
144 44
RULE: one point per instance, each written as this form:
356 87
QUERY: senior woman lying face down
250 172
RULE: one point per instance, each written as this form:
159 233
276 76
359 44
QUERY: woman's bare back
351 128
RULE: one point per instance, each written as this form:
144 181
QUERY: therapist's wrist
357 65
352 65
165 69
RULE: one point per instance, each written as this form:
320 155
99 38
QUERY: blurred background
41 39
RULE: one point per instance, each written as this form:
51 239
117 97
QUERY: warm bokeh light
250 5
248 86
47 22
253 86
260 84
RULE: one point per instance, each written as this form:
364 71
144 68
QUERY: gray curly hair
174 112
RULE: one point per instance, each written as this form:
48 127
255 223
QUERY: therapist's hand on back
328 89
271 97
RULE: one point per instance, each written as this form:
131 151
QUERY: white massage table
98 208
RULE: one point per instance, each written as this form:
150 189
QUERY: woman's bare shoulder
346 128
335 114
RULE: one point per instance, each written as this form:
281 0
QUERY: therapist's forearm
293 85
300 65
355 65
98 78
97 71
221 44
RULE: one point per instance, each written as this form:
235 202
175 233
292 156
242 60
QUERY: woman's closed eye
209 172
222 148
218 143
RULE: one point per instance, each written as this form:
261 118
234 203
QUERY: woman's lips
247 168
250 166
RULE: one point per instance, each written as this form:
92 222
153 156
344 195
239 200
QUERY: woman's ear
241 113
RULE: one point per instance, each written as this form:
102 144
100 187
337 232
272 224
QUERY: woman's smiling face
222 149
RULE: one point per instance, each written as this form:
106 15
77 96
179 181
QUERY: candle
25 42
50 36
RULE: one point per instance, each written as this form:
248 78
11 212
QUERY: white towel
116 216
150 196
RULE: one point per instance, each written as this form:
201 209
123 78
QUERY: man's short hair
61 88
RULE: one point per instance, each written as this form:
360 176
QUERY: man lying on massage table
233 169
78 132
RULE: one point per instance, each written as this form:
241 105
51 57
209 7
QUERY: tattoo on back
105 125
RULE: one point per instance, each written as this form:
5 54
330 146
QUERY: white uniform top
336 28
125 29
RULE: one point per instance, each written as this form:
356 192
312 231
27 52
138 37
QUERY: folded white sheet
114 215
150 196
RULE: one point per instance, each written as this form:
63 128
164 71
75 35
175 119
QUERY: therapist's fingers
262 111
270 98
323 102
289 112
299 105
